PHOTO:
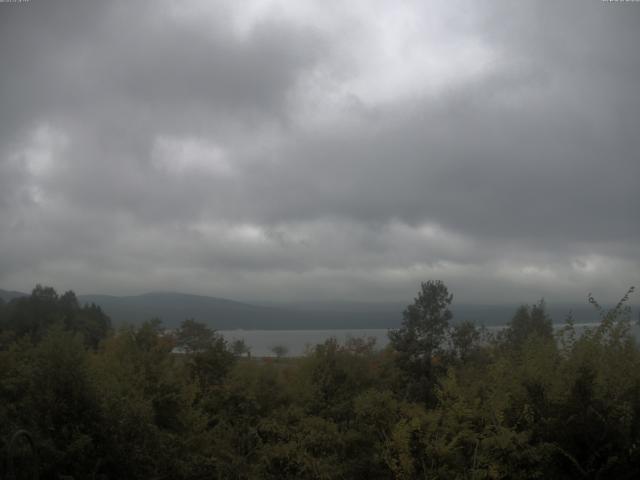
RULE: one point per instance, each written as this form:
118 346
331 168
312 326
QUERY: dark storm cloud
307 150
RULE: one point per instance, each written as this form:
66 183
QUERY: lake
297 341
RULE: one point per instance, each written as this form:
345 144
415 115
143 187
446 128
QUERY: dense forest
444 400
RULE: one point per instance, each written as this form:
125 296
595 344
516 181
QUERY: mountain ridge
226 314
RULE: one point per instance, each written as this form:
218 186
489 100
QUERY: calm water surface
296 342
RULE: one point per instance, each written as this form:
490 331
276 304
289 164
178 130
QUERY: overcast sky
289 150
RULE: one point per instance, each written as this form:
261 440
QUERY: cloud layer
316 150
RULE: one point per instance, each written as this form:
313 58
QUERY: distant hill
224 314
8 295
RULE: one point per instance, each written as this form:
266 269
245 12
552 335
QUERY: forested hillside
443 400
224 314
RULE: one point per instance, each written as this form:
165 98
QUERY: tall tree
193 336
527 322
210 357
419 342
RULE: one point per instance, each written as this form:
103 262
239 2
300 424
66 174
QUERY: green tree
527 322
420 342
212 364
62 408
209 357
464 340
240 348
193 336
32 316
280 351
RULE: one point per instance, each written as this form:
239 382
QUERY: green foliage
211 365
194 336
209 357
47 388
129 404
240 348
527 322
419 343
33 316
146 393
465 340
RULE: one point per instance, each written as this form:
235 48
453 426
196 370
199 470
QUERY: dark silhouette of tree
211 365
419 343
529 321
193 336
239 348
210 357
464 340
32 316
135 408
280 351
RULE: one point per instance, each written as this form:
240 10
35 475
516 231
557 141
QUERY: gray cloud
321 150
